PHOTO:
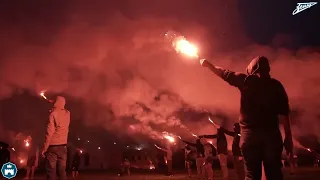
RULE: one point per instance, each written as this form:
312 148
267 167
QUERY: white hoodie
58 124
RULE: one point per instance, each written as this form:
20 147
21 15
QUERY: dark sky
259 20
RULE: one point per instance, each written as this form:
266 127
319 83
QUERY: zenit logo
303 6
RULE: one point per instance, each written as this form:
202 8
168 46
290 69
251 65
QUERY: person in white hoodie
56 139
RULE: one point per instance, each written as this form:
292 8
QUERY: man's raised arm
213 136
233 78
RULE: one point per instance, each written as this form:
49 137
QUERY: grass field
301 174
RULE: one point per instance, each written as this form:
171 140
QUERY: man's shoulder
276 82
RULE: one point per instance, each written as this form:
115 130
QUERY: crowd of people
257 142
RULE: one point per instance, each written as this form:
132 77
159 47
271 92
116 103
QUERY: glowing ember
81 151
169 138
88 141
309 150
13 149
166 161
27 144
183 46
21 161
239 134
210 142
78 139
139 148
114 143
99 148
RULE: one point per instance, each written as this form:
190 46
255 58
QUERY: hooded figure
200 156
56 139
264 102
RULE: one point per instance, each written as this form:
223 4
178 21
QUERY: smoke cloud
127 66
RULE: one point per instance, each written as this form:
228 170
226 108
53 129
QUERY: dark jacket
262 98
198 146
222 144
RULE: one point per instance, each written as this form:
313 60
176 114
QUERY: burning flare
183 46
169 138
42 95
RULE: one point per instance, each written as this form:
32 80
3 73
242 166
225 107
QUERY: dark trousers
258 149
239 167
56 160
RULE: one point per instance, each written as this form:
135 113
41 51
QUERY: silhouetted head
198 141
259 65
236 127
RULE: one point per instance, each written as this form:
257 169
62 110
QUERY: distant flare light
169 138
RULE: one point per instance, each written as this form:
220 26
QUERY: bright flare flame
309 150
42 94
13 149
81 151
169 138
183 46
99 148
21 161
239 134
27 144
210 142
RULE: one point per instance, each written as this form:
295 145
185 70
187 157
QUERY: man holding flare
264 104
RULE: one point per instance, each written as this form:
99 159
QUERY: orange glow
183 46
210 142
21 161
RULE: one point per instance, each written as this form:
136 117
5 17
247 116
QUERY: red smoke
122 61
